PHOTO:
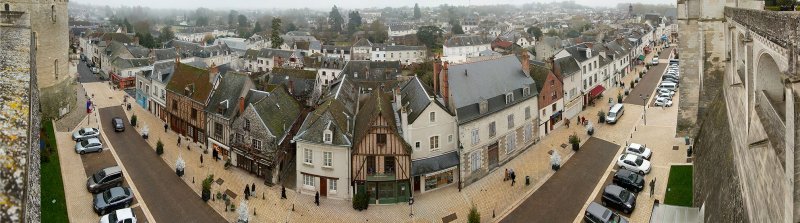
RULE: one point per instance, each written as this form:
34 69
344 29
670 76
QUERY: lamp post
644 107
411 203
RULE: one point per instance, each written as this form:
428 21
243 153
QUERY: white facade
545 114
401 32
459 54
405 56
308 173
573 103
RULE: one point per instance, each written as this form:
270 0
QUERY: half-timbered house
187 94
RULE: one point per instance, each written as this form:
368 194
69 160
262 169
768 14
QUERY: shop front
385 192
435 172
218 150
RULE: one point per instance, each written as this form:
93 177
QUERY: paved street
85 74
558 199
649 81
169 199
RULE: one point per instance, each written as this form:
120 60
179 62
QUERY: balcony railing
775 26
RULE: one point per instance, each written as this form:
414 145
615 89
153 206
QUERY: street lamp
411 203
644 107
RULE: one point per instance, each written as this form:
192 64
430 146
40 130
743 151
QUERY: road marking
127 176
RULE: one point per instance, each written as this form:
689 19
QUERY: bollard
527 180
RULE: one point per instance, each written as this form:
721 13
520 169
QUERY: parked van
668 85
104 179
615 113
596 213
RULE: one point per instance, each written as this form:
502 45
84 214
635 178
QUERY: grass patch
51 184
679 186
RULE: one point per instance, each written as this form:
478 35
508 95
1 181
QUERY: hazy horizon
324 5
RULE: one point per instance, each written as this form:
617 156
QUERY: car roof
616 107
113 169
630 157
623 173
598 210
125 213
93 140
635 145
612 189
88 129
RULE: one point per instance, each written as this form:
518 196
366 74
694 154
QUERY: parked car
665 95
662 101
118 124
113 199
124 215
85 133
670 79
634 163
615 113
639 150
669 76
617 197
596 213
89 145
655 61
629 180
667 91
95 70
104 179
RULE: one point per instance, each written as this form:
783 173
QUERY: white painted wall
340 168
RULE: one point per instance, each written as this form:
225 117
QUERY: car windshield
112 217
107 195
84 143
81 131
632 177
614 218
99 176
624 195
641 149
639 161
612 114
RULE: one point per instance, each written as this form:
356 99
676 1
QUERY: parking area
649 81
94 162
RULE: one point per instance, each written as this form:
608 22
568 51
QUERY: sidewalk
490 194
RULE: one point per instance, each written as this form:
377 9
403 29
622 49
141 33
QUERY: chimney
241 105
444 85
136 40
437 66
291 87
526 64
213 71
178 56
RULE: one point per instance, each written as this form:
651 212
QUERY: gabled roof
267 53
278 111
377 104
225 98
372 73
194 79
568 65
125 63
466 40
165 54
302 81
364 42
162 72
577 51
336 113
416 96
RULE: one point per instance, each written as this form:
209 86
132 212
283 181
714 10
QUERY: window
552 83
492 129
332 185
194 114
388 164
510 121
53 12
475 160
307 155
511 142
256 144
416 145
527 113
174 105
526 91
584 84
381 139
308 180
450 138
218 130
327 137
246 124
554 107
553 95
434 142
163 92
509 98
475 137
327 159
433 116
528 132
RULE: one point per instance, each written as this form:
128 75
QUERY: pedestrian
316 198
513 177
165 127
566 122
505 175
179 141
246 192
652 186
253 187
201 160
283 192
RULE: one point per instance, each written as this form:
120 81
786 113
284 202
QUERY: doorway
494 157
323 186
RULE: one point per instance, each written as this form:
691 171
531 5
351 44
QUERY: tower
48 20
630 10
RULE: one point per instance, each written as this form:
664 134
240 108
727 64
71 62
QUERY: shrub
159 147
601 115
632 82
133 120
474 216
619 98
206 194
574 139
361 200
641 74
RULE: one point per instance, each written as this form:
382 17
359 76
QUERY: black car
113 199
629 180
617 197
119 125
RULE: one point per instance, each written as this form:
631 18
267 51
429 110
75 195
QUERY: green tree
552 32
335 19
201 21
354 22
417 12
474 216
128 26
243 23
208 39
141 27
429 35
232 19
456 27
536 32
146 40
377 32
257 28
573 33
290 26
166 34
277 41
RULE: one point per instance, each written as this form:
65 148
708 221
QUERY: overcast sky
323 4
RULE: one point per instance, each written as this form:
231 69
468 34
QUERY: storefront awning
641 57
596 91
433 164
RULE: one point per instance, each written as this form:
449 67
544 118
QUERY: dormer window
247 125
483 106
327 136
509 97
526 91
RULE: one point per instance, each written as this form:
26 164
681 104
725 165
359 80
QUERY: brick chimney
213 71
136 40
290 85
178 56
241 105
437 66
445 91
526 63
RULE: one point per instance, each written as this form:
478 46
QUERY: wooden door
417 183
323 186
493 155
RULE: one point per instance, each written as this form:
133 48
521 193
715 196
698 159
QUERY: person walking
246 192
165 127
316 198
652 186
513 177
201 160
253 188
283 192
179 141
505 175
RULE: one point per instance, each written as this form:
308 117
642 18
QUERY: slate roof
186 76
372 74
568 65
336 49
323 62
376 104
164 71
125 63
416 96
165 54
278 111
400 27
302 80
239 44
471 83
336 113
466 40
189 49
224 99
267 53
138 51
580 55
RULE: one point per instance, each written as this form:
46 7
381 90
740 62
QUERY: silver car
85 133
662 101
113 199
88 146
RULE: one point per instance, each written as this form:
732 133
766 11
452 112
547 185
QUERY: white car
655 60
662 101
124 215
665 95
639 150
634 163
89 145
85 133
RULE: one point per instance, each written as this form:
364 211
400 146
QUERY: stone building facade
48 22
